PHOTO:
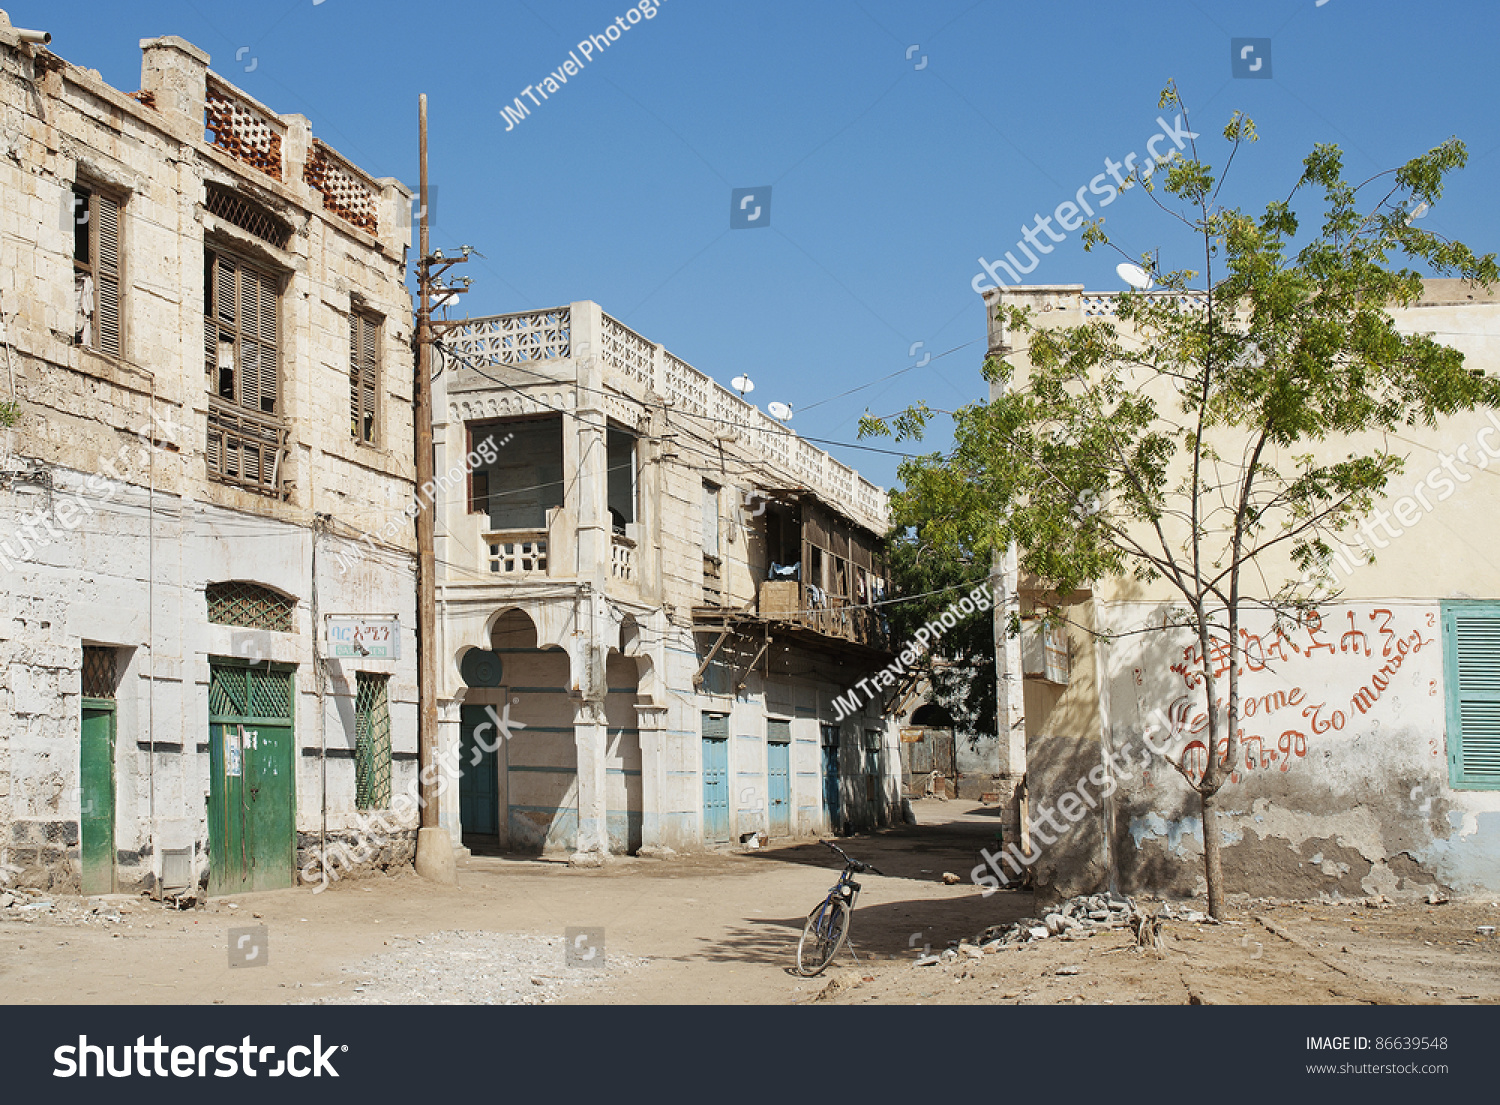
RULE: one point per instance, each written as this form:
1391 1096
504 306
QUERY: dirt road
723 929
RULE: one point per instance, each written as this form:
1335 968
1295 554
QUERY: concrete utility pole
434 859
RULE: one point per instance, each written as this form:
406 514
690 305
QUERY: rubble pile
20 903
1085 915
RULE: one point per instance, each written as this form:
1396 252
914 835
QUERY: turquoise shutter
1471 654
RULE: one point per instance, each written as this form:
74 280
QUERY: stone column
651 722
449 734
590 736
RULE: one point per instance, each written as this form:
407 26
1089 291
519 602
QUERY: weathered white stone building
648 602
1369 760
206 342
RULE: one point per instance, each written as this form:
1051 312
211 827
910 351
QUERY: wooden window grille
372 741
96 271
364 376
249 606
99 675
249 216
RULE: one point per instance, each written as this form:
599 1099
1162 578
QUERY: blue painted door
479 781
715 777
779 785
831 804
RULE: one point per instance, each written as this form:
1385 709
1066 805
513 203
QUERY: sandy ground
723 928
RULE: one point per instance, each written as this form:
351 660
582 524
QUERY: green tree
928 576
1215 448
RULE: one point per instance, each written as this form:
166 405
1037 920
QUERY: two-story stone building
648 602
207 360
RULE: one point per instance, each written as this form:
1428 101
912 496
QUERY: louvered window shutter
364 363
369 365
107 276
1472 656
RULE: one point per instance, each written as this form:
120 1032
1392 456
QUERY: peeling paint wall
1341 782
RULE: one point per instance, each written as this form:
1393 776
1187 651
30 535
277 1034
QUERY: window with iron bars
98 674
372 741
249 216
97 276
249 606
246 430
364 376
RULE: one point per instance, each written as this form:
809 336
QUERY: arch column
449 713
651 722
590 736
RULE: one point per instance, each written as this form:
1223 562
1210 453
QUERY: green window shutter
1471 656
778 730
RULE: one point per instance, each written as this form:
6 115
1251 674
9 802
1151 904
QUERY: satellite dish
1135 276
779 411
743 385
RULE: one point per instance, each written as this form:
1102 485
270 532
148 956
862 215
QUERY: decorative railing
517 552
531 336
242 130
1103 304
346 191
627 353
515 339
622 558
825 613
687 388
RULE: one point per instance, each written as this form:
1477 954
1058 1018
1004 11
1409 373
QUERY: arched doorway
929 755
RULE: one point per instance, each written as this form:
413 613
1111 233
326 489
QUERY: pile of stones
1085 915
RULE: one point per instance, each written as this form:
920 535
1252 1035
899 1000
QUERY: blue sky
891 174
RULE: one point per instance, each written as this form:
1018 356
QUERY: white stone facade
636 515
119 507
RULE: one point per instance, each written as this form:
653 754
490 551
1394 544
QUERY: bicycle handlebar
850 860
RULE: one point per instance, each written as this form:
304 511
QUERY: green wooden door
252 794
96 796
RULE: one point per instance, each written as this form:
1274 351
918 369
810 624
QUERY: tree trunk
1213 868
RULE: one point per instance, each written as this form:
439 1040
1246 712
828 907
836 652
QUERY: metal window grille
99 674
372 741
249 606
236 692
233 208
364 375
96 271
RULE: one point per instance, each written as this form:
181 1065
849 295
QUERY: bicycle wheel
824 934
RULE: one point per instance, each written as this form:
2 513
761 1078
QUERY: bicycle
828 924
